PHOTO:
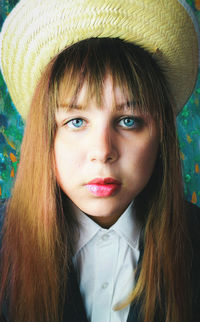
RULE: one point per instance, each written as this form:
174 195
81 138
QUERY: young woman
97 228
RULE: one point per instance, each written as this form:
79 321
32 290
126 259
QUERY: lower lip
103 190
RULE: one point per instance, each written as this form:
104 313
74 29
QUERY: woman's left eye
130 122
76 123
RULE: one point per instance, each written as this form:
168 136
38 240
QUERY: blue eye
75 123
129 122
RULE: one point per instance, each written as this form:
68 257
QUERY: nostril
103 157
109 158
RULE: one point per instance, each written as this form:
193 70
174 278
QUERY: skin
111 141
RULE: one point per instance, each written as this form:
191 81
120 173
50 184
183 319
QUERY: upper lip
102 181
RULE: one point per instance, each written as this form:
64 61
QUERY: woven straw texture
36 30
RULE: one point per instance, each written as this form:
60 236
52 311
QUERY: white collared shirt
105 261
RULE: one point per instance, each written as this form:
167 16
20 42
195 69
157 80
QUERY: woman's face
104 156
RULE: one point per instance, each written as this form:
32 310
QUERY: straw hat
36 30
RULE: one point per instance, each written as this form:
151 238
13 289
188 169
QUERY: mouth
103 187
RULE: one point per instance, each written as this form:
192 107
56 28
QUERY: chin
104 208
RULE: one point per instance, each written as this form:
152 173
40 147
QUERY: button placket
105 237
105 251
105 285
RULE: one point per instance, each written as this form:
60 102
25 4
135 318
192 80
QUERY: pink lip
103 187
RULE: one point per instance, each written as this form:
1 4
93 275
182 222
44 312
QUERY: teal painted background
188 127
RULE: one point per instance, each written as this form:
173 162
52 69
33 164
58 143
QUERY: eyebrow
128 105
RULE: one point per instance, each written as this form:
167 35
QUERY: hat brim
36 31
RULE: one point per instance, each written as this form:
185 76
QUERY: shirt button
105 237
105 285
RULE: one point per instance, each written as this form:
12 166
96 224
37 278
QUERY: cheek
148 154
142 158
68 160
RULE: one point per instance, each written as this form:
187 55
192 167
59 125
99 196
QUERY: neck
105 222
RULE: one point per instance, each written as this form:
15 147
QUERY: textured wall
188 126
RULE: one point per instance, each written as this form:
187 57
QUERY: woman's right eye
75 123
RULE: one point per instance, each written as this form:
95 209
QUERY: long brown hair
37 236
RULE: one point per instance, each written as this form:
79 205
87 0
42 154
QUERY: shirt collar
127 226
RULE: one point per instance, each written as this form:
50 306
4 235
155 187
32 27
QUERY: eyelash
71 121
137 122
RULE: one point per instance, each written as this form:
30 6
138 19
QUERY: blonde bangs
90 61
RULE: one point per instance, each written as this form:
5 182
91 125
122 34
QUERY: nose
103 146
